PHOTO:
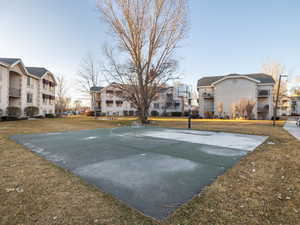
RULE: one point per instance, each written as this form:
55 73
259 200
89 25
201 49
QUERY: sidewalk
291 127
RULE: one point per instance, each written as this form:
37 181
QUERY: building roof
96 88
37 71
164 89
9 61
261 77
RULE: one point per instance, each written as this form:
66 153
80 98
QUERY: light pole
190 111
277 98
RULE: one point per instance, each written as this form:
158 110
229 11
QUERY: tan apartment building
110 101
230 89
23 87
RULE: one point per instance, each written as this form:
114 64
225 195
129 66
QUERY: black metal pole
276 103
190 114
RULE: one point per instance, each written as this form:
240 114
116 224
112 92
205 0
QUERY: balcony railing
15 92
263 94
207 95
263 108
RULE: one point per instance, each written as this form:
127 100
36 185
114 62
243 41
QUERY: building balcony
207 95
15 92
263 108
263 94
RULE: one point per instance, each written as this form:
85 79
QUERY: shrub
176 113
154 113
1 112
13 111
9 118
208 115
277 118
39 117
31 111
92 113
49 115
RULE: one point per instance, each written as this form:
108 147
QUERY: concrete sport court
154 170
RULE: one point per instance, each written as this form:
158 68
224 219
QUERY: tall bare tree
61 100
88 74
249 108
220 109
146 33
276 69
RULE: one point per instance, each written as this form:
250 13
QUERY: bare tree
61 100
146 33
241 107
249 108
88 74
220 108
233 110
295 90
275 69
77 105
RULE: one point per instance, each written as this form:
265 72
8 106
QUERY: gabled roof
261 77
9 61
96 88
37 71
164 89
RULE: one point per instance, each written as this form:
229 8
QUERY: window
29 98
109 103
119 93
263 93
44 99
177 104
109 92
28 81
156 105
119 103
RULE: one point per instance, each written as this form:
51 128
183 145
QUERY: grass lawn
263 188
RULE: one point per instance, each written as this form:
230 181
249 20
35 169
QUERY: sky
231 36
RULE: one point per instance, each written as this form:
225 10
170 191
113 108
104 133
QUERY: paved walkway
292 128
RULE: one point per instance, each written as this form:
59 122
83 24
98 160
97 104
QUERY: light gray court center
154 170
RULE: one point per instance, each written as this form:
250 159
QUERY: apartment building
23 87
284 106
295 105
230 89
109 100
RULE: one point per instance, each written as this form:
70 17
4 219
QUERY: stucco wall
205 105
3 88
46 107
232 90
127 106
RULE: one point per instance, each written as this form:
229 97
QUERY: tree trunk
143 115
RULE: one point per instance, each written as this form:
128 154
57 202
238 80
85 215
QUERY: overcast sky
231 36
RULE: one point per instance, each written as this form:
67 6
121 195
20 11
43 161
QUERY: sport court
154 170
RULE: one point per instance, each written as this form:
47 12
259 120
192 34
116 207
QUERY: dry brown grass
263 188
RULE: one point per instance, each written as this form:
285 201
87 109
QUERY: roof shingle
96 88
37 71
9 61
263 78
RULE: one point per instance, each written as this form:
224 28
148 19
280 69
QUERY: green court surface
154 170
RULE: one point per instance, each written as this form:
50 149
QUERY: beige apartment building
23 87
109 101
231 89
